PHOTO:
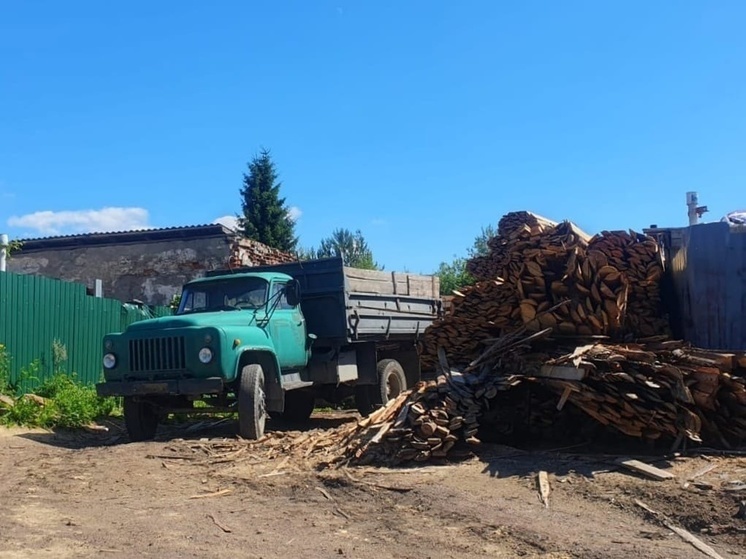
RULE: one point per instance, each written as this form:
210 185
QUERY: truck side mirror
292 293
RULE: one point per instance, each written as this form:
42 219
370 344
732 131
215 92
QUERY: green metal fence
43 320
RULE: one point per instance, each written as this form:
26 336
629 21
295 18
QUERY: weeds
5 385
58 401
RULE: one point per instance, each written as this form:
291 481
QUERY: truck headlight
205 355
110 361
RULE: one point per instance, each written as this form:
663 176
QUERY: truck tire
298 406
391 382
140 418
252 412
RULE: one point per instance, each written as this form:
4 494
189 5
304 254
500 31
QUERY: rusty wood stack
637 258
656 391
609 285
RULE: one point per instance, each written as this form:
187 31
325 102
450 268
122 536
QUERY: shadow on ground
193 428
581 459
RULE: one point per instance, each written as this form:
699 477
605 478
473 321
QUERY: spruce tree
265 216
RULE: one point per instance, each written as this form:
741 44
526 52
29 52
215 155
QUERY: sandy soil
78 494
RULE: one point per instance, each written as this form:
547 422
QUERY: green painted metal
37 313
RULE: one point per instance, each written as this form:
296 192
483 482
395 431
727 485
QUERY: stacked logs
639 259
515 231
607 286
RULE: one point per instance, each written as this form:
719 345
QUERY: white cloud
228 221
83 221
294 213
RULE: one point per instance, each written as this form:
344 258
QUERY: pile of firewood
658 390
637 257
663 390
608 285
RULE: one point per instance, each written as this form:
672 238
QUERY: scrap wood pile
662 390
609 284
575 321
543 288
657 390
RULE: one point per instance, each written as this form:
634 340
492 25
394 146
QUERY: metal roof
134 236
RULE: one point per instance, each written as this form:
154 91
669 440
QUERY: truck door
288 329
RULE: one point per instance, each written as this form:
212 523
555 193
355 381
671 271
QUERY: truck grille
157 354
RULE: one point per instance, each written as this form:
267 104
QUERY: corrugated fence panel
35 312
709 273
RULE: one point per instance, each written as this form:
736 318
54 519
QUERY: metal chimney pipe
3 251
691 202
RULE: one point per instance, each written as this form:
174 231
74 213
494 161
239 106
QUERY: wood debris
217 523
683 534
213 494
542 481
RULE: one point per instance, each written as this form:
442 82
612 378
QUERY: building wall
709 278
151 271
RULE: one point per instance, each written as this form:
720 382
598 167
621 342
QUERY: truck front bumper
181 387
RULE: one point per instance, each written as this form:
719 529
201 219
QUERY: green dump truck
271 340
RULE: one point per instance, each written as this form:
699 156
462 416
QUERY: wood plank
683 534
392 283
703 471
565 395
695 541
562 372
543 483
645 469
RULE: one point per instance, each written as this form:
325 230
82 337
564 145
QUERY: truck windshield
224 295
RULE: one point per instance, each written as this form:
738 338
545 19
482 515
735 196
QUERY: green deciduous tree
453 275
352 247
481 242
265 216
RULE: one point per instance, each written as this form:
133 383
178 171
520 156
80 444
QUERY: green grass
67 402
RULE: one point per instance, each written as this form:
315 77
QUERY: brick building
150 265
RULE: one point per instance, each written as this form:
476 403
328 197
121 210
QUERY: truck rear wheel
391 382
140 418
298 406
252 412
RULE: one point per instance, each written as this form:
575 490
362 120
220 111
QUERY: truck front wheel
391 382
140 418
252 412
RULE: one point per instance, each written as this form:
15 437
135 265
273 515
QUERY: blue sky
417 122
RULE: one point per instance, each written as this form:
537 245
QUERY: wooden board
645 469
392 283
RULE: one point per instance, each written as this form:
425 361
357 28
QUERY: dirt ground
79 494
